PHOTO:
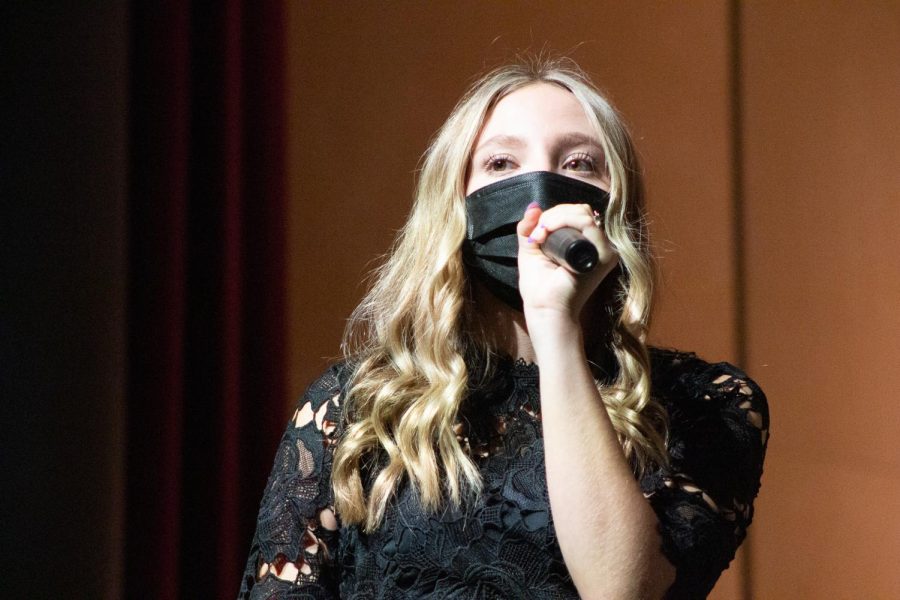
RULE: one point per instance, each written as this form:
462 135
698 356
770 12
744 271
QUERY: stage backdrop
769 137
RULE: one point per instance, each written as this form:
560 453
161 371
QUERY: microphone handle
569 248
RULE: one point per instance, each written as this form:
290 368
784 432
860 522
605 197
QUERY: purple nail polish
532 205
530 240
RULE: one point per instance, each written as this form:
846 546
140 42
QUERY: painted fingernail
542 226
532 205
530 240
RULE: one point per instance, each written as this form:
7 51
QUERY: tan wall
822 148
371 82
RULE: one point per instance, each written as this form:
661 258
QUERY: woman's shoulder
319 412
328 385
296 518
680 377
717 436
718 420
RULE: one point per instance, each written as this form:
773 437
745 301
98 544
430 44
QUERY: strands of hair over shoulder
409 337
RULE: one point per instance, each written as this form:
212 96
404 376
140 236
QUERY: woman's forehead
538 109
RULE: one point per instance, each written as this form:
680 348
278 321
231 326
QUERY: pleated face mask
491 248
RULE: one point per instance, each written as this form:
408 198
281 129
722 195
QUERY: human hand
550 290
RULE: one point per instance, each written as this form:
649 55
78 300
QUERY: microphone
569 248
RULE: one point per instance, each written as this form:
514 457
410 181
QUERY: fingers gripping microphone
491 246
569 248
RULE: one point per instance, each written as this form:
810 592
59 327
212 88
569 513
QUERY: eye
581 162
498 163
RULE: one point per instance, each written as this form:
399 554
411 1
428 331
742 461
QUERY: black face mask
491 248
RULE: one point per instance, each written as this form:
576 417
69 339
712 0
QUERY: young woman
499 429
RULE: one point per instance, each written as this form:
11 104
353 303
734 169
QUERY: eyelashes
582 161
498 163
577 161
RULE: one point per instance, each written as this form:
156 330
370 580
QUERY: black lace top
505 545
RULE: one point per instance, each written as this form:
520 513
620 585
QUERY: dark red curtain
206 285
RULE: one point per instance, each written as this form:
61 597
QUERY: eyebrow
577 139
502 140
565 141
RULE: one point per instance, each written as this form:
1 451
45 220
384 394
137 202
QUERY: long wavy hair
410 336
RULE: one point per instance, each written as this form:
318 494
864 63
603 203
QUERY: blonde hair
409 338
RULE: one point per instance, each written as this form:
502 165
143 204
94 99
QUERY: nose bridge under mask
505 201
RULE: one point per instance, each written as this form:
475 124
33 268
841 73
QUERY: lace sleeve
292 554
719 426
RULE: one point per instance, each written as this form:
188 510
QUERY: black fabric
491 247
504 545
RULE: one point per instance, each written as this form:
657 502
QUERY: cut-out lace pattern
504 545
